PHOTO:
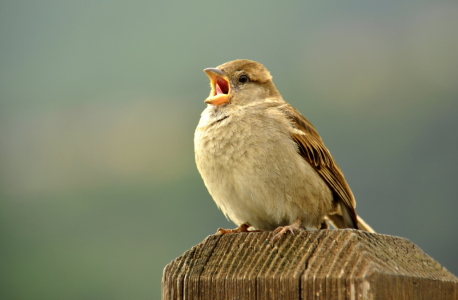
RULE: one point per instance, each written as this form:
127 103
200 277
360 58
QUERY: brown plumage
264 164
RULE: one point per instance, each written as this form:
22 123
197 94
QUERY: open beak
220 87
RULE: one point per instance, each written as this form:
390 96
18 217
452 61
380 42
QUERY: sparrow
263 163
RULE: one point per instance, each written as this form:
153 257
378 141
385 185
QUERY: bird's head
240 82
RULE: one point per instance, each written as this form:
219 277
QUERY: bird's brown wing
313 150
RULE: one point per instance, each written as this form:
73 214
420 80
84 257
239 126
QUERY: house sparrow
263 163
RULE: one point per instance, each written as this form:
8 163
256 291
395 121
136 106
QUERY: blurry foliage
99 101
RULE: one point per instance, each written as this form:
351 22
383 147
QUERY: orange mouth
219 82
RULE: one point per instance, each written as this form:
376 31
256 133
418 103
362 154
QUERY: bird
264 164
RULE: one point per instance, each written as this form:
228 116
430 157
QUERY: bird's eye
243 78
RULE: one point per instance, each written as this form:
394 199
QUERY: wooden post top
321 264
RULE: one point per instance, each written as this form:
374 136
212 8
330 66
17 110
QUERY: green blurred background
99 101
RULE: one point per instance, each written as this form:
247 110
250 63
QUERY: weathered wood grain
322 264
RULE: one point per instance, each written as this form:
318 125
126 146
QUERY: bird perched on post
263 163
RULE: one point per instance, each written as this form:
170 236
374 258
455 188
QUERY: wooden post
322 264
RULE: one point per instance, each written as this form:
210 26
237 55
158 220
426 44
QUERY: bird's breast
252 169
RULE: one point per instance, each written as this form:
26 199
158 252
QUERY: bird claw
280 231
242 228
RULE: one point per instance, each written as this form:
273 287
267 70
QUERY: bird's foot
242 228
280 231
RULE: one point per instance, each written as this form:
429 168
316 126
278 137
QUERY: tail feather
338 221
362 225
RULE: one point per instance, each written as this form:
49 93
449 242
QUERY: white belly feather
255 174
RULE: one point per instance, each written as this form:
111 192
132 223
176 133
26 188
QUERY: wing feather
313 150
